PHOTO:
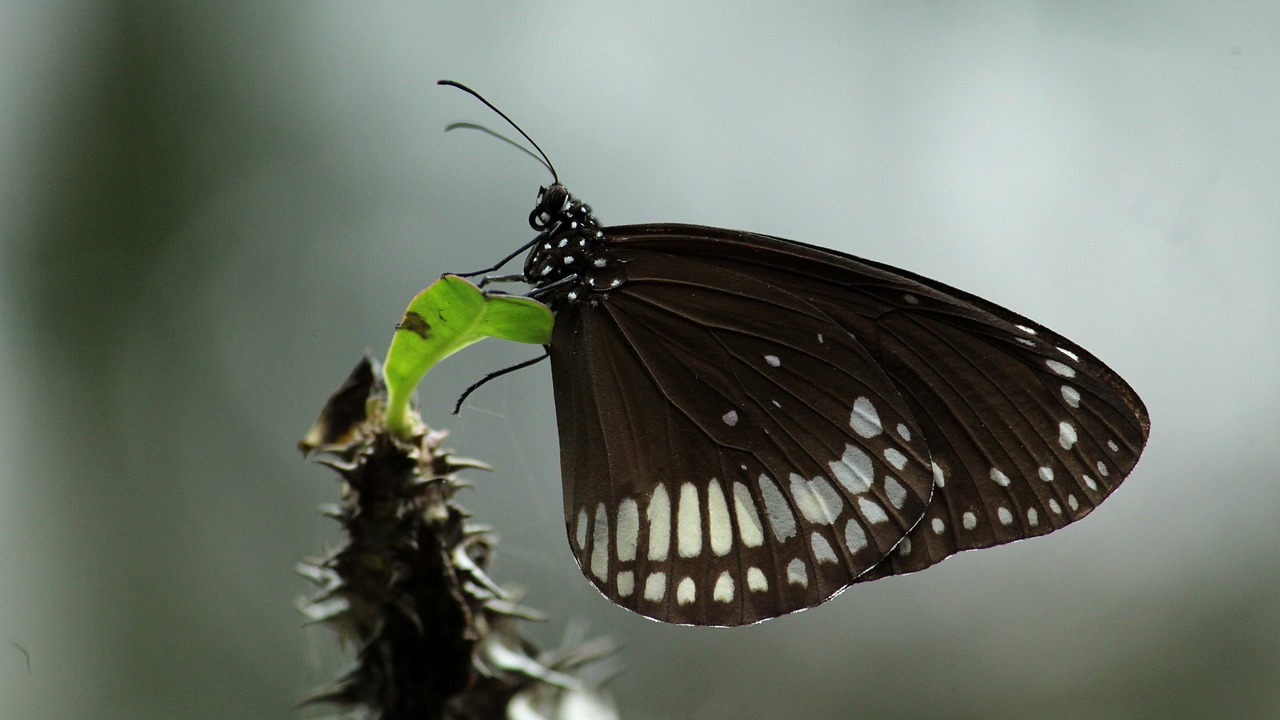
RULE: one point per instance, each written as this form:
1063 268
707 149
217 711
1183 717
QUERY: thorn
461 463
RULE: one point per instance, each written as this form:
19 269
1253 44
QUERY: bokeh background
209 211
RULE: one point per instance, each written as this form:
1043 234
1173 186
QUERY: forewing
1026 430
729 453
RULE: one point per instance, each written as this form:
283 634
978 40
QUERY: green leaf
449 315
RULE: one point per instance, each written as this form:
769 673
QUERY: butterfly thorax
569 261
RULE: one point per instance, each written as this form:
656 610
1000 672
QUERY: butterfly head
569 262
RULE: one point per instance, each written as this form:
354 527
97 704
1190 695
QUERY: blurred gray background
208 213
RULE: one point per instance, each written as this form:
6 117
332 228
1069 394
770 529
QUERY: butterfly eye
556 200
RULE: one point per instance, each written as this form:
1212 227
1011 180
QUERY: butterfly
750 425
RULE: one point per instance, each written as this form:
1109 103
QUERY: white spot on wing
910 299
655 587
797 573
628 529
580 531
772 360
969 520
1054 507
854 470
1006 517
1033 518
816 499
896 493
999 478
1112 446
1088 481
718 526
1073 503
688 522
600 544
895 458
626 583
822 551
659 517
904 432
685 591
723 591
1046 473
1102 469
855 538
904 547
1071 395
1066 435
1026 329
775 506
744 508
1069 354
865 420
939 478
730 418
938 526
871 511
1065 371
756 581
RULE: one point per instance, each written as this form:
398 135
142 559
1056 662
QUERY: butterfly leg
546 352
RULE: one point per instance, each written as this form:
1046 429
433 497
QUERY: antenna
555 176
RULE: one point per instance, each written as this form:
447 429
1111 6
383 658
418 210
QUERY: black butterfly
749 425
